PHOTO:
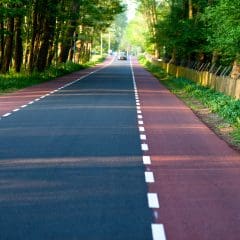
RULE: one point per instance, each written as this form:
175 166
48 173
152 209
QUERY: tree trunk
47 39
190 9
34 33
8 51
235 73
1 42
18 54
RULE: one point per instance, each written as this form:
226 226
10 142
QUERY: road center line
158 232
153 200
149 177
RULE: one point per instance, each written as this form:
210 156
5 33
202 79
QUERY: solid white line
140 122
6 114
143 137
153 200
149 178
158 232
144 147
141 129
146 160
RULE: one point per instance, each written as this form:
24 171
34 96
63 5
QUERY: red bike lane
196 174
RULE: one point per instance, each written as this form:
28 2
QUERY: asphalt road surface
71 164
116 156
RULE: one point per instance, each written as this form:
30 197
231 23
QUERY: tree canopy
36 33
185 31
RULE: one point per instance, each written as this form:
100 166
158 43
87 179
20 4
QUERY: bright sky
131 9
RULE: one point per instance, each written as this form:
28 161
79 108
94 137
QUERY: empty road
113 155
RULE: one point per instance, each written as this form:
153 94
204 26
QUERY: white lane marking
143 137
141 129
146 160
144 147
140 116
149 178
37 99
158 232
23 106
139 111
140 122
15 110
6 114
153 200
138 107
30 102
42 97
138 104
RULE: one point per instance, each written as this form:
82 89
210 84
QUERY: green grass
13 81
225 106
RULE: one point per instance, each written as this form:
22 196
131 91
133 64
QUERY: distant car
122 56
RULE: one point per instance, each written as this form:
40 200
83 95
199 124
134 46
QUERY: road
112 155
71 164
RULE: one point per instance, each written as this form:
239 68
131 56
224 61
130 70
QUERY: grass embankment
13 81
220 112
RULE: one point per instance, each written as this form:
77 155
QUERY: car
122 56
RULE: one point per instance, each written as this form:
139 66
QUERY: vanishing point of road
109 153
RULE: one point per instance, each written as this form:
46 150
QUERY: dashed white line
153 200
15 110
144 147
158 232
149 177
6 114
23 106
146 160
143 137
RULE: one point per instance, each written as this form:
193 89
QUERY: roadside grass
14 81
227 108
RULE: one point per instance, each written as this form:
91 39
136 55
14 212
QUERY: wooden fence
226 85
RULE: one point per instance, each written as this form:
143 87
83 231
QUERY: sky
131 9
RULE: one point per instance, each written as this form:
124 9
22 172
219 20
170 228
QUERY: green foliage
196 30
222 21
13 81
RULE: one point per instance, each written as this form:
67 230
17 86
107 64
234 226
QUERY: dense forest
37 33
195 33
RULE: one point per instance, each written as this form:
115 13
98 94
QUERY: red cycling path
197 175
15 100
